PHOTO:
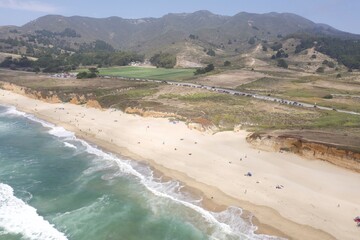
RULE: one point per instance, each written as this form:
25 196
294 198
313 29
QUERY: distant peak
204 12
197 13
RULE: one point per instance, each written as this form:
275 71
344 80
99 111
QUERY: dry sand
318 201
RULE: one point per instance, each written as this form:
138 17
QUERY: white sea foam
17 217
229 222
69 145
61 132
10 110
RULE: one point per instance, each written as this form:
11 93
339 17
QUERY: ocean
54 186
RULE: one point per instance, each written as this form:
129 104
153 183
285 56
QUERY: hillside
193 39
153 33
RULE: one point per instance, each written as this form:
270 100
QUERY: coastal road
239 93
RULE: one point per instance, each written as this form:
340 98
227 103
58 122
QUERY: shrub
211 52
328 63
282 63
328 96
82 75
331 64
227 63
252 40
277 46
192 36
320 70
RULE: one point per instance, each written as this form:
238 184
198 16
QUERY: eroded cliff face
51 96
154 114
333 153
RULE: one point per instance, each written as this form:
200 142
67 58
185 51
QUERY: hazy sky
341 14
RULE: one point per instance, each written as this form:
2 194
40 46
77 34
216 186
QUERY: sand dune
317 200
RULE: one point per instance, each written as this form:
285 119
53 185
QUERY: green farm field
149 73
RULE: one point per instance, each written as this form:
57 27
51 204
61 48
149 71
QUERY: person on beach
357 220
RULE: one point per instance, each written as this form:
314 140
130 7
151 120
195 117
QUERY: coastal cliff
52 96
309 147
199 124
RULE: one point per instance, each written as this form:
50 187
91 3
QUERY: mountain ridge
193 37
217 29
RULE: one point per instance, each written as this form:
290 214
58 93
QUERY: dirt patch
231 79
170 89
191 56
336 85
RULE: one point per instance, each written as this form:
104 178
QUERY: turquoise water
55 186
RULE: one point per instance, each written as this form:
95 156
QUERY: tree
277 46
209 67
81 75
192 36
210 52
264 48
282 63
93 73
227 63
36 70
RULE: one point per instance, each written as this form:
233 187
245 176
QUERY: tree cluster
164 60
345 51
68 32
97 46
92 73
280 54
52 63
14 63
208 68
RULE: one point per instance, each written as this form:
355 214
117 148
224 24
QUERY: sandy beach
316 200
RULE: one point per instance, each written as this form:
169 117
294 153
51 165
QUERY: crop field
149 73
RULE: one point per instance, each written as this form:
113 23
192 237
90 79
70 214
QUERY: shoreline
190 185
268 220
